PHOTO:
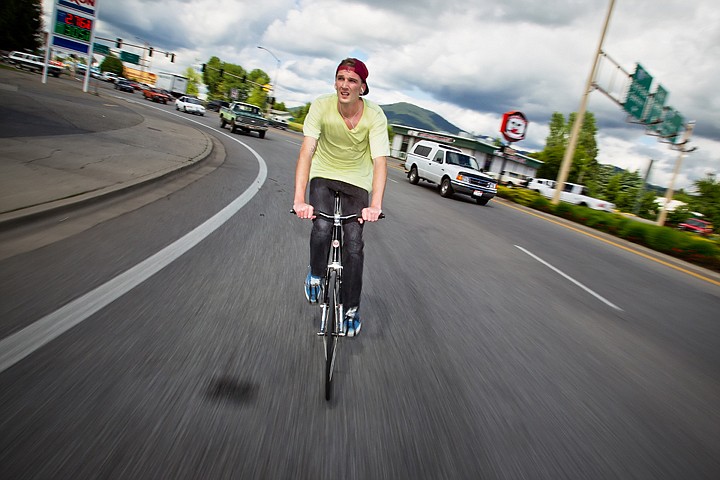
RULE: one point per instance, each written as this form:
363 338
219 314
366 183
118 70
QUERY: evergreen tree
21 25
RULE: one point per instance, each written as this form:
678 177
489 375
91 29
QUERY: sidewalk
115 147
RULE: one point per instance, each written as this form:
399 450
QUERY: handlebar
343 218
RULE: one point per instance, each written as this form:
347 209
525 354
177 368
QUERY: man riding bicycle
345 149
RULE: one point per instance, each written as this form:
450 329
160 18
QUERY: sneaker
313 287
352 322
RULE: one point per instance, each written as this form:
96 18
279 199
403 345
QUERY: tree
112 64
301 113
585 158
194 80
21 25
708 200
257 95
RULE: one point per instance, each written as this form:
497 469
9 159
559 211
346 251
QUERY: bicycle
332 313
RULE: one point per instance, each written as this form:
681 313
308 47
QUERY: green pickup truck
245 117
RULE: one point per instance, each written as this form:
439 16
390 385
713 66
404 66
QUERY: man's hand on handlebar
370 214
304 210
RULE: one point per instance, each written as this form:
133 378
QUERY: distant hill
413 116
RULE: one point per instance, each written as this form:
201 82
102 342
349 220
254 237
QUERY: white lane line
24 342
599 297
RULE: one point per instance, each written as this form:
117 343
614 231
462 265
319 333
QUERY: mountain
413 116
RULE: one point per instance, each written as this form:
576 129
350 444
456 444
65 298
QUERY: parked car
124 86
190 105
216 105
695 225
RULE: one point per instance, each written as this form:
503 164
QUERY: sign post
513 127
73 29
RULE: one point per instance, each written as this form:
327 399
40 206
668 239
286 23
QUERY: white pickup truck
572 193
33 63
450 168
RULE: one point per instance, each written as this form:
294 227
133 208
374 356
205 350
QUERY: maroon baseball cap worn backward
358 68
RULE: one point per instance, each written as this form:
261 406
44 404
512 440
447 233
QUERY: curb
35 212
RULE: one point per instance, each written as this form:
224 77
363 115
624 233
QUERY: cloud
468 61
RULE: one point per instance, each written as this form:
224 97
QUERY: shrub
635 232
538 202
295 127
524 197
666 240
596 219
565 210
616 223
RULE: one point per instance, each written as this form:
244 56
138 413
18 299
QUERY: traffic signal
150 50
172 58
118 43
244 77
221 72
203 68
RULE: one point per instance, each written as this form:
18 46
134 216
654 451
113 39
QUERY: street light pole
277 72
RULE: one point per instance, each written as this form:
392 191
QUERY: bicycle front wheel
331 337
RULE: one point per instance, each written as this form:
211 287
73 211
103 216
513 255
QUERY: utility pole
580 117
669 192
641 192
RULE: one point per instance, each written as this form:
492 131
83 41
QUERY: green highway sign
638 93
655 111
130 57
672 124
101 49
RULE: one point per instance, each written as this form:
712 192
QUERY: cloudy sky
468 60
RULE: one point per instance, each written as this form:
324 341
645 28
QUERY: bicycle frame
333 275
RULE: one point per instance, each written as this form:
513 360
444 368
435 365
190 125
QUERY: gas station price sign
73 26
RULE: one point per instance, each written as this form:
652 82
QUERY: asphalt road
496 343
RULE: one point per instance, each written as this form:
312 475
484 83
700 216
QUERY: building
491 158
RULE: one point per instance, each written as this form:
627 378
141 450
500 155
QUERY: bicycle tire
331 337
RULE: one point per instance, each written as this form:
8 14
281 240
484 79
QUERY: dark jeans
353 199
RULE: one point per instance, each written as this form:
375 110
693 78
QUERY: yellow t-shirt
344 154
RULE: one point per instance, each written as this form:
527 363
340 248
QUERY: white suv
449 167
